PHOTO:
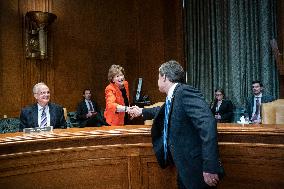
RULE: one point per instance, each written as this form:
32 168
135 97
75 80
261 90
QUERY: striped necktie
43 122
166 120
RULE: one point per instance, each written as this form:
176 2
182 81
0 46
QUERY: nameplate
38 130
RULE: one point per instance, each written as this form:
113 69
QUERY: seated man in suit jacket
222 108
253 103
88 113
43 113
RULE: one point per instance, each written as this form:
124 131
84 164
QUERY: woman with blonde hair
117 97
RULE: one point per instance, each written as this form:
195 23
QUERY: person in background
43 113
254 102
184 131
117 97
222 108
88 113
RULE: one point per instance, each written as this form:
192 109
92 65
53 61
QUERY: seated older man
43 113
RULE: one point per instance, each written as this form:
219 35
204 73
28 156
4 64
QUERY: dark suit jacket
225 110
82 111
192 136
250 102
29 116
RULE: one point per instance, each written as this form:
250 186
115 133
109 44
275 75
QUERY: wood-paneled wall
84 41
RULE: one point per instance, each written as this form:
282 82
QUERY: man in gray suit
253 103
184 131
43 113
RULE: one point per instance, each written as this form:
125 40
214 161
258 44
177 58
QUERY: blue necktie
166 120
43 122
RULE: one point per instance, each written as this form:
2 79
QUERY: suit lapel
52 114
94 106
222 106
252 104
35 115
85 107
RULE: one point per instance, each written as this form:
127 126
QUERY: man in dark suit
253 103
43 113
88 113
184 131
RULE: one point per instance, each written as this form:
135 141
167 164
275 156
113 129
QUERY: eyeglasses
218 94
43 93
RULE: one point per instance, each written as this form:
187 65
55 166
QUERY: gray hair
173 71
38 86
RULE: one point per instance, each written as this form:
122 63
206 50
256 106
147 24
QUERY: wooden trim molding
122 157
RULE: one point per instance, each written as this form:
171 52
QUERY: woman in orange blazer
117 97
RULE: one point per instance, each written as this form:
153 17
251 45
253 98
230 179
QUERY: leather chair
273 112
72 120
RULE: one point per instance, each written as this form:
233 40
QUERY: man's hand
91 114
218 116
255 119
134 111
210 179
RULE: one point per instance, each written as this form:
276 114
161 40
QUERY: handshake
134 111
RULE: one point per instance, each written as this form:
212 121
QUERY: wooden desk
253 155
122 157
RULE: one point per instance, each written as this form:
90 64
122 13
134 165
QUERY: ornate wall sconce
36 28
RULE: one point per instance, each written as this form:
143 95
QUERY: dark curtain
228 46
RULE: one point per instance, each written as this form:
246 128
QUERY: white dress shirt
88 102
171 92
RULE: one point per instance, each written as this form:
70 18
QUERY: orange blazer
114 97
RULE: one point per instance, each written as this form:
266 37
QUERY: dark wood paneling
10 58
164 41
84 41
89 38
252 156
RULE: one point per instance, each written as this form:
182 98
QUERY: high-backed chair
279 114
72 119
273 112
150 122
